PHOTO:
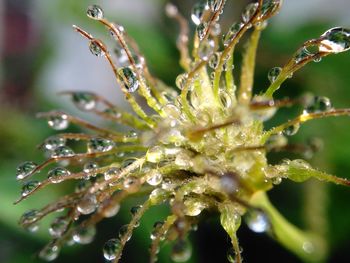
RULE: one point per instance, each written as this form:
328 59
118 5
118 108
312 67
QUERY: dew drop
225 99
123 230
181 81
214 60
274 73
84 235
206 49
269 7
58 227
214 5
87 204
95 12
193 207
335 40
57 174
85 101
229 183
215 29
30 217
202 30
135 209
155 154
58 121
100 145
111 173
292 129
249 11
181 251
158 195
111 248
29 187
62 151
257 221
198 12
156 228
90 168
319 104
154 178
95 48
232 33
301 55
49 252
53 142
128 78
25 169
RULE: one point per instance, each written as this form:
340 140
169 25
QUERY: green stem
308 246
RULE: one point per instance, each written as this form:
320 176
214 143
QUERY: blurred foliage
20 132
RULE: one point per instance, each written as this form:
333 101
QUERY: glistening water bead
95 12
100 145
335 40
25 169
87 204
57 174
249 11
274 73
58 121
110 248
95 48
257 221
198 11
129 79
29 187
85 101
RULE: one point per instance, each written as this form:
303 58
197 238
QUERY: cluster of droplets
177 157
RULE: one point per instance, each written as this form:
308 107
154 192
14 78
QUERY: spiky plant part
202 148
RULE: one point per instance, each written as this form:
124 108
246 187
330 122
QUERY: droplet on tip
25 169
111 248
95 12
29 187
335 40
249 12
274 73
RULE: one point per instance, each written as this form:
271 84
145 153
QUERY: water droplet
129 79
319 104
194 207
158 195
111 173
111 210
231 255
57 174
29 217
335 40
29 187
90 168
58 227
269 7
154 178
215 29
156 228
232 33
155 154
168 185
249 12
25 169
225 99
181 251
135 209
85 101
82 186
181 81
214 60
308 247
301 55
202 30
274 73
84 235
53 142
111 248
49 252
206 49
123 230
100 145
292 129
132 184
257 221
87 204
62 151
58 121
95 48
95 12
214 5
198 12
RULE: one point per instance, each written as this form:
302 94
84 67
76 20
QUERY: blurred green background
41 55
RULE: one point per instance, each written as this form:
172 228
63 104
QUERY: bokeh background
41 55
